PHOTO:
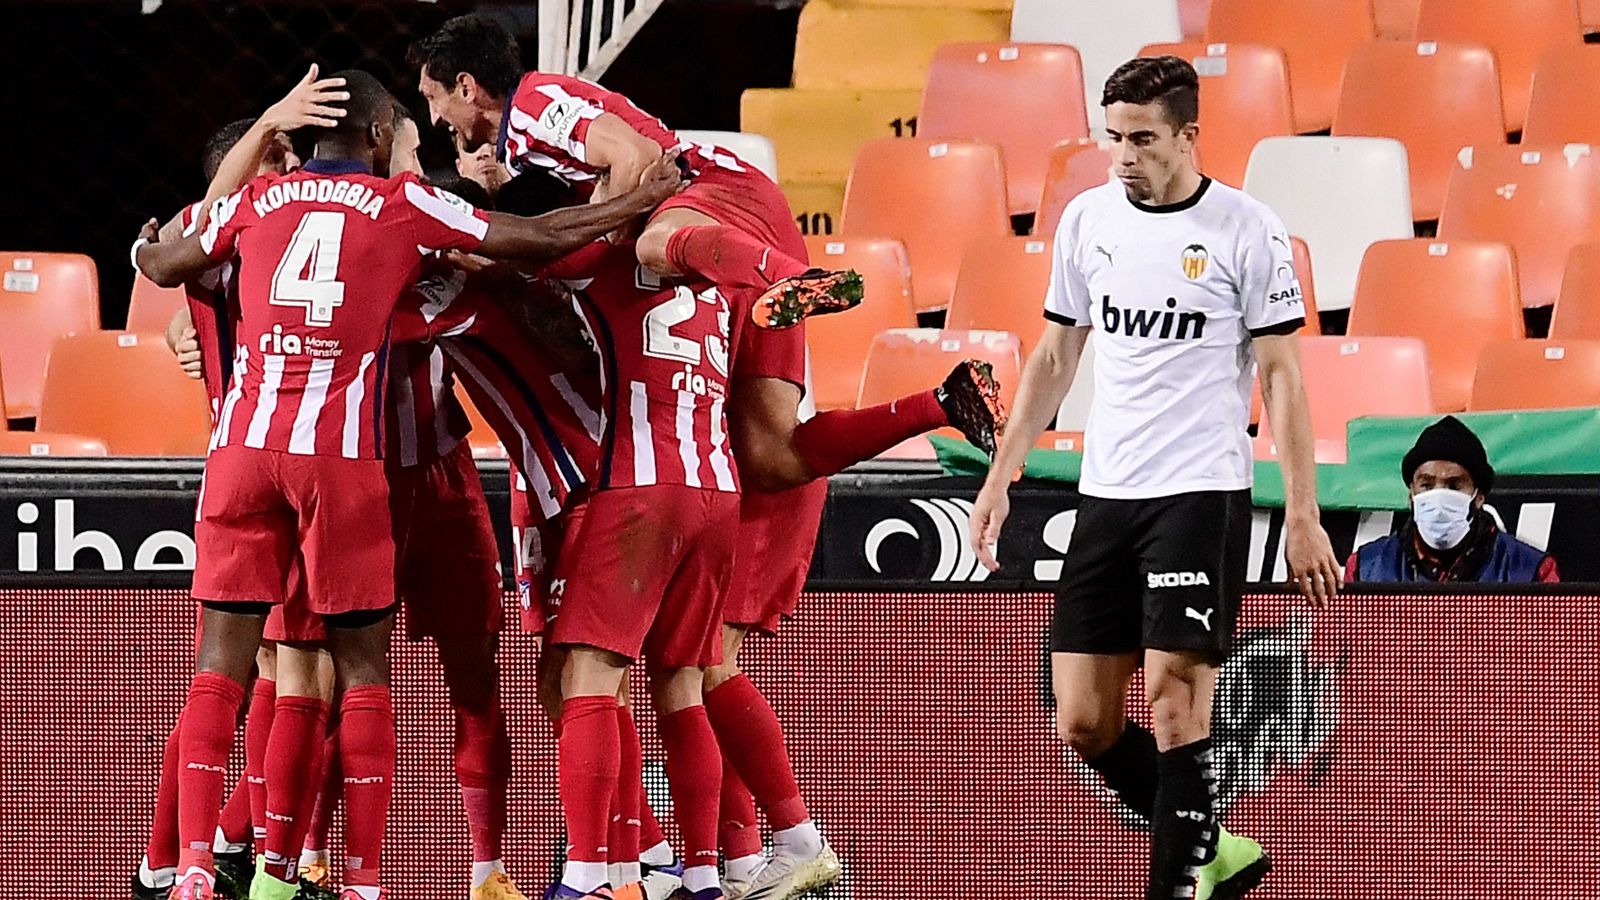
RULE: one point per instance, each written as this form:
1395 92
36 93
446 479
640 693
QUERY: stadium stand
1387 82
158 411
755 149
1563 107
1456 296
816 133
1518 31
1072 168
1316 36
841 45
151 307
901 359
1396 19
1308 284
1245 91
49 443
1350 377
1537 375
1192 18
839 344
1023 98
1106 35
1000 286
44 296
1577 312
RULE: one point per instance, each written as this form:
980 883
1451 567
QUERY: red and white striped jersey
324 255
425 420
664 363
541 396
212 299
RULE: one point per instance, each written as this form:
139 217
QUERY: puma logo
1106 253
1205 620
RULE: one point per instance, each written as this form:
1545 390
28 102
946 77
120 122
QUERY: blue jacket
1393 559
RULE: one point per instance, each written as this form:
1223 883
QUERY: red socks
328 787
729 257
235 819
162 850
205 737
297 727
835 440
588 756
367 752
623 842
749 732
257 731
483 769
738 829
694 773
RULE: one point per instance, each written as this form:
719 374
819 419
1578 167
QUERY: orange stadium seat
817 132
1316 36
1001 287
45 295
152 306
5 424
1244 92
1192 16
1386 82
850 45
1564 107
1518 31
1024 98
1577 312
1073 167
1589 11
1308 284
482 439
1537 375
1456 296
1350 377
125 389
49 443
839 344
906 360
1541 201
936 197
817 205
1396 19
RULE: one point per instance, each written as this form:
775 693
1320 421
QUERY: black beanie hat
1450 440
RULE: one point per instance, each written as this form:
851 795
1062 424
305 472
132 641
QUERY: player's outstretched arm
1307 550
553 235
1045 380
169 263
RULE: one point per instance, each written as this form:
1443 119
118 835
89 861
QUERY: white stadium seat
1338 193
754 149
1106 35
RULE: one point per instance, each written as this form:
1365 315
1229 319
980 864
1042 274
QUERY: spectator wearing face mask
1450 537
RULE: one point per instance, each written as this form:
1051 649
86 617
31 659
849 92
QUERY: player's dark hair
218 145
466 189
534 193
476 45
1165 79
370 102
402 113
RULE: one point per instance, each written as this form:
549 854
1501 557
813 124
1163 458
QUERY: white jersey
1174 293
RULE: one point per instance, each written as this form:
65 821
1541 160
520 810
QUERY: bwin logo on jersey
950 518
1156 323
1155 580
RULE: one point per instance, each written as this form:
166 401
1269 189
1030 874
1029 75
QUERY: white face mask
1443 517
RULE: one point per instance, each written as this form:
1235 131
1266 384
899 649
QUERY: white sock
482 870
156 878
698 878
744 868
618 874
221 844
309 856
365 891
659 855
803 841
583 876
210 878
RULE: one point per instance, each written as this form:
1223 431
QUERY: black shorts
1165 573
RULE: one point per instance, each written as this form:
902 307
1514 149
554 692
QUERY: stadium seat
1001 287
1518 31
44 296
124 389
1589 11
1386 82
1071 441
1537 375
1541 201
1577 312
755 149
1396 19
936 197
1024 98
817 132
1003 6
1456 296
1192 16
1350 377
152 306
1338 193
816 204
842 45
49 443
1317 36
1308 284
482 439
1073 167
839 344
907 360
1564 107
1106 35
1244 92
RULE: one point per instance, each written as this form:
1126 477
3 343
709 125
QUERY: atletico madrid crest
1195 259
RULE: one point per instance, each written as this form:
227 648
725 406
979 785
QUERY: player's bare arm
1312 565
555 234
169 263
1045 381
184 343
622 152
761 421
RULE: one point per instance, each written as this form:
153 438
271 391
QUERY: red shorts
537 543
292 622
647 573
261 511
777 537
748 201
448 572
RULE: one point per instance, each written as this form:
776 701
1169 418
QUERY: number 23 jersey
325 253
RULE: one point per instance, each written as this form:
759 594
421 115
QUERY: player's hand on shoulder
1313 568
150 231
662 179
311 102
989 514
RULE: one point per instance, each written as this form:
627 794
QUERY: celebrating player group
627 312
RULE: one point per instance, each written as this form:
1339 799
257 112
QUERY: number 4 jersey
325 253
